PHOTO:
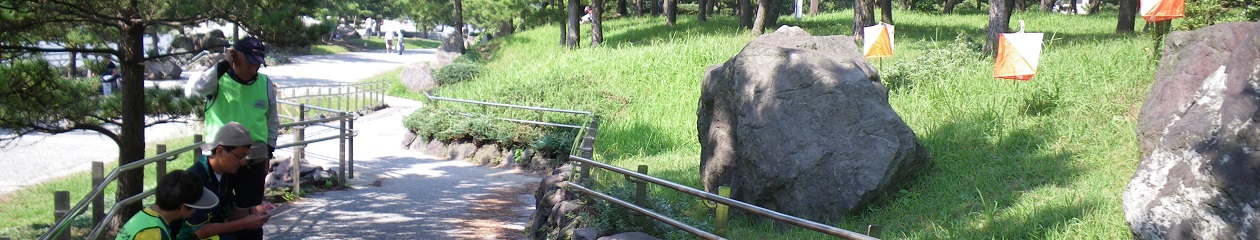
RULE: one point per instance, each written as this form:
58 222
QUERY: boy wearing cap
227 220
236 92
178 194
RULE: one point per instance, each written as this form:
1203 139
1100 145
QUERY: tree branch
203 48
64 49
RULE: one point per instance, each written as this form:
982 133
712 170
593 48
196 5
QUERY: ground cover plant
1047 158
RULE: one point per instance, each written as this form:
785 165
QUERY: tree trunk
949 6
575 26
73 64
1073 6
459 24
813 7
597 28
564 31
1093 6
905 5
999 22
657 7
131 148
885 9
702 15
671 12
621 8
1128 12
1045 4
863 16
759 23
638 8
745 14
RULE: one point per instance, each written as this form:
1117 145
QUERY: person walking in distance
237 92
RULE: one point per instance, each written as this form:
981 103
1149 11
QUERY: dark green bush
555 143
458 71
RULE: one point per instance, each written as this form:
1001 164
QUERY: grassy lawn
27 213
1046 158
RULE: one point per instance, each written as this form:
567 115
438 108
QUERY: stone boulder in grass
801 125
1200 172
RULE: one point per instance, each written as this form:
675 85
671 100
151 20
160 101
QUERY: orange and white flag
877 41
1162 10
1018 54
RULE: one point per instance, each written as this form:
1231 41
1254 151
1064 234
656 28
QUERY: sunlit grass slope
1047 158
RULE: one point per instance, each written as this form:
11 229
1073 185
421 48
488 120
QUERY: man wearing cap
236 92
178 194
227 220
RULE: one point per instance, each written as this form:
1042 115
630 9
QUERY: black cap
253 49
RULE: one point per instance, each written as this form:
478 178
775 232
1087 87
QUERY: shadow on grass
660 32
983 170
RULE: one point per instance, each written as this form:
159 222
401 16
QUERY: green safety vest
145 225
236 102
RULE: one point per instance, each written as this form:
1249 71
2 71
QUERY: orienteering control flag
1018 54
1162 10
877 41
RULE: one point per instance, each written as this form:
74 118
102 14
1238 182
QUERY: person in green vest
237 92
178 194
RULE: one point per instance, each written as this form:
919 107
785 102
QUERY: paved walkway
402 194
41 157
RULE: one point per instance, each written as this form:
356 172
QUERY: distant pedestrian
402 43
588 17
111 79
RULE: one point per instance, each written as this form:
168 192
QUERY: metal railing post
197 151
61 206
874 230
351 154
98 201
640 188
723 212
161 164
588 145
341 159
298 154
349 96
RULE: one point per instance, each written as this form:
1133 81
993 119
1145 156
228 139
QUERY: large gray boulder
1200 175
800 124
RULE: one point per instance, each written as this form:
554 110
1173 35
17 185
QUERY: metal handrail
100 189
649 213
823 228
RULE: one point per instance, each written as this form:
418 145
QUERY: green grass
378 43
1046 158
324 49
27 213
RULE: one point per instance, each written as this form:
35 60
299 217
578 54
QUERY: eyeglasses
232 151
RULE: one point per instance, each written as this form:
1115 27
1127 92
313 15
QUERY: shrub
555 142
934 65
457 71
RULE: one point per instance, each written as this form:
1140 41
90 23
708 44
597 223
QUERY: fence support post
588 145
161 163
640 188
341 159
98 201
723 212
61 207
351 154
197 151
874 230
299 152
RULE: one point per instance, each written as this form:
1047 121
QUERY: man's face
240 64
234 159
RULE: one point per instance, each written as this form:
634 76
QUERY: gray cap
233 134
208 200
